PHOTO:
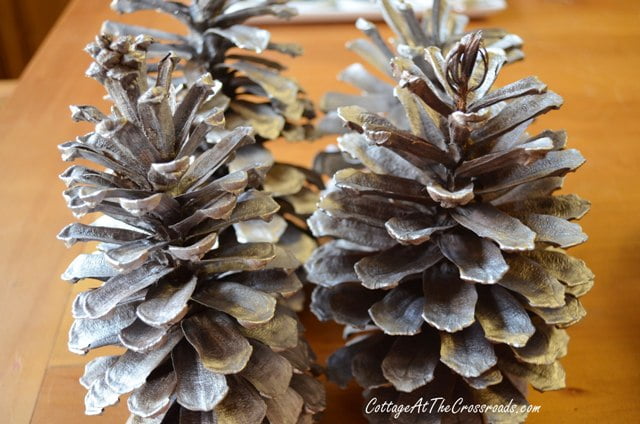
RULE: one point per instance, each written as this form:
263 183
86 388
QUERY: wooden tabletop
586 50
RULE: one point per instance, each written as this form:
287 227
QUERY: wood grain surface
586 50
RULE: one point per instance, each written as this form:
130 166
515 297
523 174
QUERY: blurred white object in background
478 8
350 10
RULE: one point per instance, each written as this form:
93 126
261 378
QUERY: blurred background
23 26
25 23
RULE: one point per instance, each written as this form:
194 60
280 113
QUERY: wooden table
587 50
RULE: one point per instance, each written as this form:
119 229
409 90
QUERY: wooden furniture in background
586 50
23 26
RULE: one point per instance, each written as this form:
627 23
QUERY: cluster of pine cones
444 244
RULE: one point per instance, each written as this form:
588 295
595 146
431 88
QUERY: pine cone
200 314
254 91
449 265
440 27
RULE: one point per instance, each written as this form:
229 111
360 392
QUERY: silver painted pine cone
448 267
254 91
200 315
439 27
